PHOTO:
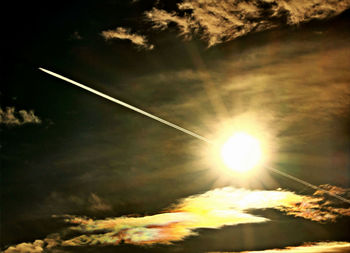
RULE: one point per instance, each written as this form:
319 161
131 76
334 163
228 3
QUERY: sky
82 174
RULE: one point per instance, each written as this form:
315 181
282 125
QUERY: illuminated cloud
213 209
162 18
333 189
125 34
37 246
220 21
324 247
11 117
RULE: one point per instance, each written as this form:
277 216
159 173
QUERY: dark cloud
76 36
70 202
98 204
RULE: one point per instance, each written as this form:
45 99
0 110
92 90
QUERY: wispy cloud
98 204
125 34
10 116
213 209
162 18
319 247
221 21
93 202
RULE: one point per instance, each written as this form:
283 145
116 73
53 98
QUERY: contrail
117 101
308 184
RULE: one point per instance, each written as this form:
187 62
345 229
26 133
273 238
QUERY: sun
242 147
241 152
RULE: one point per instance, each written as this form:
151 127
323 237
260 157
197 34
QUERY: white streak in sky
308 184
117 101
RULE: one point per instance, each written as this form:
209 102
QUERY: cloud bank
219 21
213 209
125 34
11 117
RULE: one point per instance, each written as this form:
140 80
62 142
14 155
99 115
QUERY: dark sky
81 174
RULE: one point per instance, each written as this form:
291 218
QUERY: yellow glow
241 152
243 147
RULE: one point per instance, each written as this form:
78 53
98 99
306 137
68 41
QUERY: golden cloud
125 34
219 21
11 117
213 209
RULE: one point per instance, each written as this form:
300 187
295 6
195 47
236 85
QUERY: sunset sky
82 174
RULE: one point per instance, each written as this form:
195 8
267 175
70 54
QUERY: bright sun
241 152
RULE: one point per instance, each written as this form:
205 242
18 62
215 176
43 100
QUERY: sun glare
241 152
243 146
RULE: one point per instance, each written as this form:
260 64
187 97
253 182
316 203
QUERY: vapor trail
117 101
308 184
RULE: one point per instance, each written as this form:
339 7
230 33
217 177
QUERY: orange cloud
332 189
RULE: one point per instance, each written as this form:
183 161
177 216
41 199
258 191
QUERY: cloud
320 247
220 21
70 203
162 18
332 189
98 204
37 246
11 117
296 90
213 209
125 34
76 36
